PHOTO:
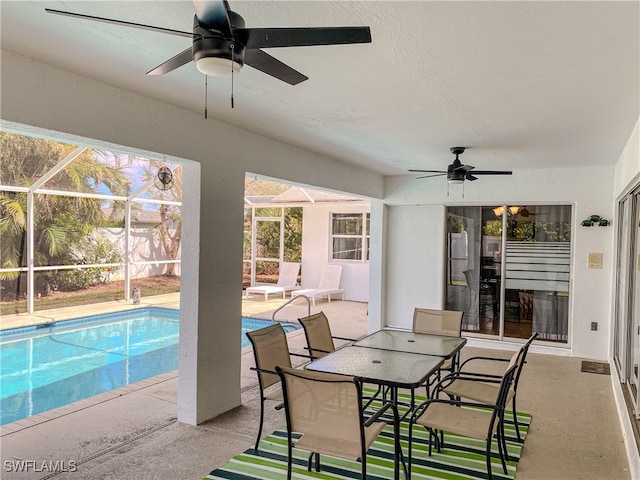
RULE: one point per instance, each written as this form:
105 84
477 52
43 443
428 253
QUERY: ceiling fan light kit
217 67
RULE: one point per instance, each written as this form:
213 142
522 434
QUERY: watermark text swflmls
22 466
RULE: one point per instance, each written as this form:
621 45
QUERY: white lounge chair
329 285
287 282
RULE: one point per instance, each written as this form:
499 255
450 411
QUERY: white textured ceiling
524 84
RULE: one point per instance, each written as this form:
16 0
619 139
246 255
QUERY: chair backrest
515 364
288 276
318 334
506 384
330 277
325 406
523 351
437 322
270 349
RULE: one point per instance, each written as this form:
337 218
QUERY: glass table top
403 341
375 365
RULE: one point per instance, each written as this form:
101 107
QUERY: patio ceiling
525 84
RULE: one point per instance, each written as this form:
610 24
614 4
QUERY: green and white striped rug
461 458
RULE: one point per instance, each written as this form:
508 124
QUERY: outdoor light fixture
595 220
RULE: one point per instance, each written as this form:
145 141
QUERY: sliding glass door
508 269
626 347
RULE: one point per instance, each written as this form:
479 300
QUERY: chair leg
289 459
488 452
261 421
504 439
515 418
502 449
410 448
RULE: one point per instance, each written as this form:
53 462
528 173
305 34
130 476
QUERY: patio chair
326 410
287 282
480 386
318 334
473 420
270 349
329 285
439 322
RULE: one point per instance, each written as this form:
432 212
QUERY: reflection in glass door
508 269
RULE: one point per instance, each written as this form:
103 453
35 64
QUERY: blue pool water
47 366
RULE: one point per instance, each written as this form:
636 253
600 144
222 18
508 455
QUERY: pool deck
169 300
132 432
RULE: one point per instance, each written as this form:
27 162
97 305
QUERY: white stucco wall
42 100
316 250
627 170
416 233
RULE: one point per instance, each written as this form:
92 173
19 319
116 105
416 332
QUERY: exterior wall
416 235
147 247
316 238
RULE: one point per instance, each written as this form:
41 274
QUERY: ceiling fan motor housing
213 44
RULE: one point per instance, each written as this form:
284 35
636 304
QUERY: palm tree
60 222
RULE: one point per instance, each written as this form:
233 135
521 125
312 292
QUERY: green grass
98 294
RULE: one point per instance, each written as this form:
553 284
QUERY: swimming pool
46 366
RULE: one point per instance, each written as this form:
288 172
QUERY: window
350 236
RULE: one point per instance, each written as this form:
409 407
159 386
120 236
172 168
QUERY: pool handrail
273 317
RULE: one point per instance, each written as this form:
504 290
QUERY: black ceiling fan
221 43
457 172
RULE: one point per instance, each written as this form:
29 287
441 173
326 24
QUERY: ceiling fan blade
272 66
492 172
463 169
428 171
214 14
301 37
179 60
470 177
429 176
121 22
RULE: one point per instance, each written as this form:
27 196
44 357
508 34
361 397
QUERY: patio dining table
404 341
389 368
425 343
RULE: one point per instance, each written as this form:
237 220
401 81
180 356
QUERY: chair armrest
374 418
468 376
344 338
420 409
263 370
484 361
301 355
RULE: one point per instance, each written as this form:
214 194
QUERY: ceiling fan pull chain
206 89
232 59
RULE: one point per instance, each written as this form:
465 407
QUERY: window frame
364 236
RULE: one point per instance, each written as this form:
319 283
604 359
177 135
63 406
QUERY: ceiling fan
221 44
457 172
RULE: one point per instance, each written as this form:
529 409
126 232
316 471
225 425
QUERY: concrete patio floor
132 433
